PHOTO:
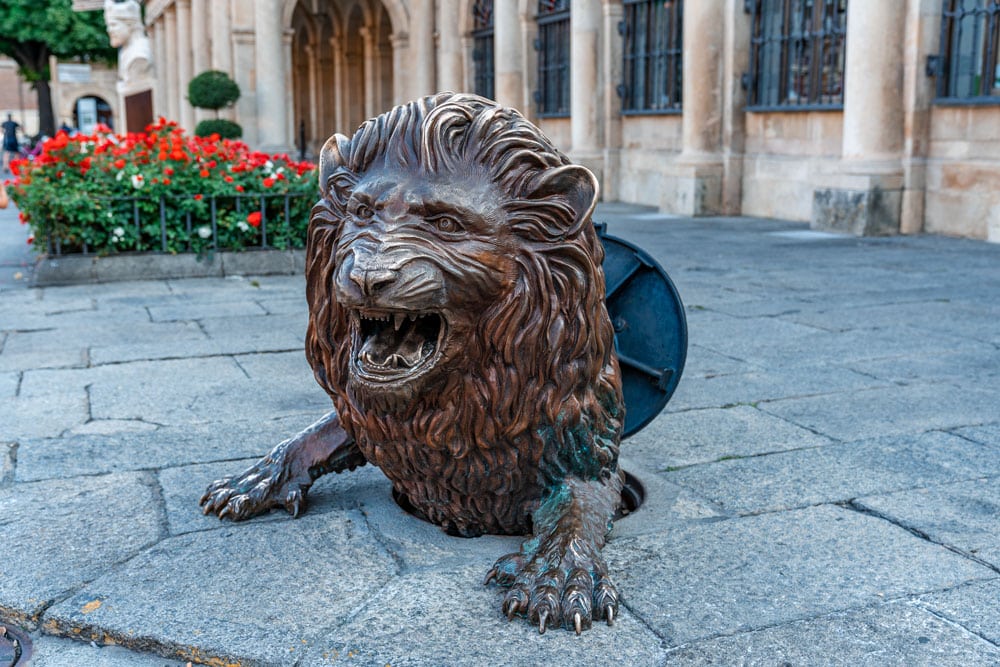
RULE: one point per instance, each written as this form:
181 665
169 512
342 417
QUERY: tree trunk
46 117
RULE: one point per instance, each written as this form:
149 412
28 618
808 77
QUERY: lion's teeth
413 318
398 320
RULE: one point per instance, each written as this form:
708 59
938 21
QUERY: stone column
184 71
422 56
340 86
200 55
696 183
269 61
866 196
222 48
508 64
611 53
370 70
449 70
584 89
400 53
173 99
160 96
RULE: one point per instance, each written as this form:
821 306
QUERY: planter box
76 269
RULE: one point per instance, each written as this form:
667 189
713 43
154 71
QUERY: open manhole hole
633 494
15 647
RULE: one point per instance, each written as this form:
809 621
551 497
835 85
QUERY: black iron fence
172 224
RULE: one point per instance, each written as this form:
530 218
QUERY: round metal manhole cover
15 647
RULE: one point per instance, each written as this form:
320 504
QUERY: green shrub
212 89
226 129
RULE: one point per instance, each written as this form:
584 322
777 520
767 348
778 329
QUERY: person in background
11 146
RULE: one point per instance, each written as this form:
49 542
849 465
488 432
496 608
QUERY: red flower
31 239
119 163
268 182
198 197
23 217
239 188
168 172
204 173
254 219
166 181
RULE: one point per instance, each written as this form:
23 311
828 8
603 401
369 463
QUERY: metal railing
797 52
154 223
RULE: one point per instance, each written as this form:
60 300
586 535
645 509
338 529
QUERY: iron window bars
653 49
482 49
797 50
968 69
553 46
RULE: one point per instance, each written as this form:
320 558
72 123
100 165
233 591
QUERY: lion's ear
332 167
575 184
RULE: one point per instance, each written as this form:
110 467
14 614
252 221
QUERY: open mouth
390 346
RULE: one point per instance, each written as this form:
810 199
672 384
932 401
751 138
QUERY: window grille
553 49
652 32
968 69
797 50
482 48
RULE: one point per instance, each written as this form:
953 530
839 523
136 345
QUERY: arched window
482 49
553 49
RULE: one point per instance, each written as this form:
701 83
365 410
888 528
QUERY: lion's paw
572 593
261 487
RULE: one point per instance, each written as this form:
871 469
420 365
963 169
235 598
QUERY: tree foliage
33 30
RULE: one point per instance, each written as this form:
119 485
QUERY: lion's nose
372 281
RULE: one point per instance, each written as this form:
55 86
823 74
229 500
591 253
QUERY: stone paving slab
838 473
700 436
894 411
91 454
704 580
60 534
253 594
971 606
450 618
965 516
58 652
897 634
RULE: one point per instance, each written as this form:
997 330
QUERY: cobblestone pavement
823 488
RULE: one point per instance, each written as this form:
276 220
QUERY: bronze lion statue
457 320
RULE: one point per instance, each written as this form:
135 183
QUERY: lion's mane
540 397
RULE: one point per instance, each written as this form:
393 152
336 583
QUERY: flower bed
161 191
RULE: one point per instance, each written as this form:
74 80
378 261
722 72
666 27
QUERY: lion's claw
263 486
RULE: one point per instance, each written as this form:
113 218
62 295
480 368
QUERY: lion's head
456 302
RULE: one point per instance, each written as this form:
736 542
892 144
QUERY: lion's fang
399 319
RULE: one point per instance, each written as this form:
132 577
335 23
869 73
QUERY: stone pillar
269 61
585 90
340 87
400 51
696 177
200 55
222 48
449 70
173 99
421 65
370 70
184 70
508 63
160 96
866 197
611 54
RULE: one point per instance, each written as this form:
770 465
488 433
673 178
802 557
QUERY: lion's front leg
559 576
283 477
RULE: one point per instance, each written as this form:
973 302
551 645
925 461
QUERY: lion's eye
363 211
445 223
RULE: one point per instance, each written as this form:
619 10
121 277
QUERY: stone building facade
860 115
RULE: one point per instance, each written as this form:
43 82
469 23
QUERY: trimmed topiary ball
212 89
226 129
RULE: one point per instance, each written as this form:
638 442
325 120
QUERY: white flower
110 214
243 226
137 181
269 166
118 233
120 175
204 231
279 170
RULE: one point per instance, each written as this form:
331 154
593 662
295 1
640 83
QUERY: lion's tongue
399 349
